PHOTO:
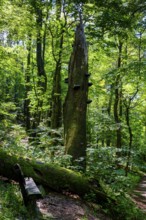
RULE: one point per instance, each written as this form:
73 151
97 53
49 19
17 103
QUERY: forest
73 102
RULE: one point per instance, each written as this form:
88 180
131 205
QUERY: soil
68 207
139 195
71 207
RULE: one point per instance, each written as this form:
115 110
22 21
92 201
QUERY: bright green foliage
11 202
108 24
104 32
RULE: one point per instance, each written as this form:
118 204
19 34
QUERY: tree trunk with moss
53 177
75 105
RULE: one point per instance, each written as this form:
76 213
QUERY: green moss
53 176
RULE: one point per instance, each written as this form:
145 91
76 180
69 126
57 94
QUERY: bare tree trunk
42 79
130 139
56 113
117 104
27 88
75 105
108 139
41 74
127 115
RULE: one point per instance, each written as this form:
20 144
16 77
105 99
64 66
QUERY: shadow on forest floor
62 207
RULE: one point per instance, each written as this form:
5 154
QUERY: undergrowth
11 204
102 164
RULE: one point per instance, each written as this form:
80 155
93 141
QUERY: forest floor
68 207
139 194
58 206
71 207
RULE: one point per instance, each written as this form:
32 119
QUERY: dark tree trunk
130 139
127 115
42 79
75 105
56 114
117 103
41 74
108 139
27 88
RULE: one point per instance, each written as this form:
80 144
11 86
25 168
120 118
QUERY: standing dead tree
75 106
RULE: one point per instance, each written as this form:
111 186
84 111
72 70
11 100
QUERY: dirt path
61 207
139 195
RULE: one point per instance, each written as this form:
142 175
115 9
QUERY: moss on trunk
52 176
75 105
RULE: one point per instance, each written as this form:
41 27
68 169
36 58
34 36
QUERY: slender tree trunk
41 74
117 104
42 79
108 139
56 115
130 139
27 88
75 105
127 115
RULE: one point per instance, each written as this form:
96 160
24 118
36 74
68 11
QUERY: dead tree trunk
75 105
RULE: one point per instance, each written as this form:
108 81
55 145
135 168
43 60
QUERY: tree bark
42 78
117 103
56 113
130 139
27 88
56 178
127 115
75 105
41 74
109 135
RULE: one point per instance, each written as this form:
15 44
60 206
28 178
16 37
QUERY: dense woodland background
36 42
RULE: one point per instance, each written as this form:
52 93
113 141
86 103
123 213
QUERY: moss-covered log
52 176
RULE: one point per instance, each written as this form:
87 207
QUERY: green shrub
11 204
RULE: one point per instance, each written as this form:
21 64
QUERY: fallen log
53 177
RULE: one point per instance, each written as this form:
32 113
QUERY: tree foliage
36 43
